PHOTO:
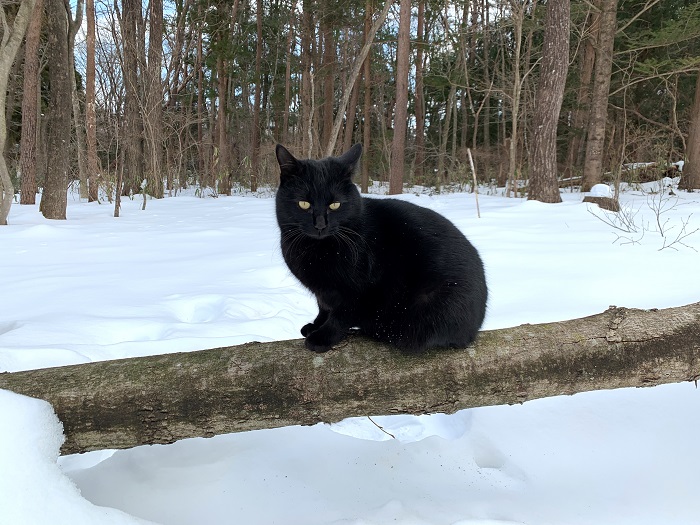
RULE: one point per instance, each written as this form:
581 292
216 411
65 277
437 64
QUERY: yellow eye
304 205
334 205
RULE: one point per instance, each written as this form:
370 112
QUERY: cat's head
318 196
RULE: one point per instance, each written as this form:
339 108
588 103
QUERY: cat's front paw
323 339
307 329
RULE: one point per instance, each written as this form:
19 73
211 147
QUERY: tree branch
164 398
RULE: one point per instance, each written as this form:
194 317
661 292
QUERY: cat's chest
318 264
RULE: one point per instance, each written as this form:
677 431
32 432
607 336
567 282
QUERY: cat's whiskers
347 236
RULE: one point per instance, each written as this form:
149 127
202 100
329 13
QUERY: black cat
400 273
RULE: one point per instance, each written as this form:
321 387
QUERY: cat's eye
304 205
334 205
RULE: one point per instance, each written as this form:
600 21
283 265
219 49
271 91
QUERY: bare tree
90 115
12 35
398 143
255 164
74 25
544 185
30 107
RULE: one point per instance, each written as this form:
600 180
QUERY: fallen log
164 398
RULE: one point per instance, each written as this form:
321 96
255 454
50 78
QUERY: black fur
400 273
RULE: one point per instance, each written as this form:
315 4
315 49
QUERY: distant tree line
150 97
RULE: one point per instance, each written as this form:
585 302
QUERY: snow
191 273
601 190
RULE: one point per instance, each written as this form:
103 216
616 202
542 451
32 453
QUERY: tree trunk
285 135
164 398
153 118
30 107
329 66
576 146
133 122
11 40
367 105
419 97
255 164
93 168
78 121
398 144
307 36
690 180
544 184
593 165
54 200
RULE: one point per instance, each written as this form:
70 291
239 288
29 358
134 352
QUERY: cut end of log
607 203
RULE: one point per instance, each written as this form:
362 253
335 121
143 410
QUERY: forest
151 97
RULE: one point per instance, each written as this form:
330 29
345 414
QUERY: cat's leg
337 317
320 319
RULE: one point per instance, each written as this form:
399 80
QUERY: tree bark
133 122
544 185
593 165
54 200
30 107
255 164
164 398
398 144
691 169
419 96
11 40
90 114
78 121
153 119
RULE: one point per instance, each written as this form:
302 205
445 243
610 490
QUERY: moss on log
164 398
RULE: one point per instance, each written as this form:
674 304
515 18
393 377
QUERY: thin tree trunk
9 45
593 165
690 179
54 200
307 35
78 121
291 43
544 185
30 107
577 143
255 164
350 117
269 385
367 105
398 144
154 99
329 66
518 9
93 169
355 74
419 96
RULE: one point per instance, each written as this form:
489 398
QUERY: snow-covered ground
190 273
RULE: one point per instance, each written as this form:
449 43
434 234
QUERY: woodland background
149 97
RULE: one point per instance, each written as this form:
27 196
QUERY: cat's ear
289 165
350 158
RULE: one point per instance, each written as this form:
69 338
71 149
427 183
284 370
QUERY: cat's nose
320 223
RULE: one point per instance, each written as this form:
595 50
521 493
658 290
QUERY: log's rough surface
164 398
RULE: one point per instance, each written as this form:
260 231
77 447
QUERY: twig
476 186
381 428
